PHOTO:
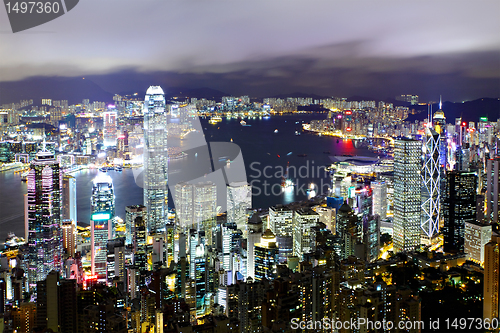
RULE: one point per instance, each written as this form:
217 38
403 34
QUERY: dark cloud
265 47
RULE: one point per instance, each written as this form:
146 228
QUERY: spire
440 103
44 144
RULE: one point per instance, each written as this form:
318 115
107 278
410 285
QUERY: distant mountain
468 111
57 88
204 92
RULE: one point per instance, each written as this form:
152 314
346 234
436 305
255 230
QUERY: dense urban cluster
394 239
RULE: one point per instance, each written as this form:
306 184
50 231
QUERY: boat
276 131
118 168
302 155
297 133
285 181
243 122
103 169
215 120
290 153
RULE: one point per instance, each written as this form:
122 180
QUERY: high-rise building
431 184
44 218
491 296
476 236
492 196
407 187
101 223
155 158
239 201
68 206
439 122
304 236
459 207
69 237
281 224
348 229
131 213
379 199
197 207
109 119
266 257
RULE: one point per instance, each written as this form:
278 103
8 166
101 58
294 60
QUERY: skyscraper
492 196
197 207
68 206
155 158
266 257
280 223
459 207
379 199
239 201
304 237
101 223
407 186
109 128
491 302
431 183
131 213
44 206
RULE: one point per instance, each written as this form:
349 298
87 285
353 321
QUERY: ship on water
285 181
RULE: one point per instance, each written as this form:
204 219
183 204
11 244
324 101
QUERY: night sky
262 48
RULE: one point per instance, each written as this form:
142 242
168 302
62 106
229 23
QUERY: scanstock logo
25 14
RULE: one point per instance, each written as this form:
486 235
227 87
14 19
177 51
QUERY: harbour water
265 153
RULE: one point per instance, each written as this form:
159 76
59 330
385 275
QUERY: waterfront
260 147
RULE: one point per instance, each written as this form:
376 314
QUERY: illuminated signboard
101 216
485 119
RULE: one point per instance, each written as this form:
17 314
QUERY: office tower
431 183
201 269
476 236
266 257
228 245
253 238
304 237
68 206
131 213
69 237
47 305
23 318
67 305
439 122
239 201
101 223
197 207
462 158
407 186
348 230
491 303
116 259
155 159
44 205
280 223
492 195
139 243
379 199
459 206
109 128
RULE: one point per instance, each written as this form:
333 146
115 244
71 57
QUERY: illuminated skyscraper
44 206
491 300
109 128
459 207
155 158
431 183
407 187
68 206
131 214
439 123
492 196
197 207
304 237
101 223
280 223
239 201
379 199
266 257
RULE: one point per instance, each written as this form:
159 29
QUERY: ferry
297 133
215 120
276 131
243 122
285 181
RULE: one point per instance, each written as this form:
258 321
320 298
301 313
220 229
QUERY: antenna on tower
44 144
440 103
